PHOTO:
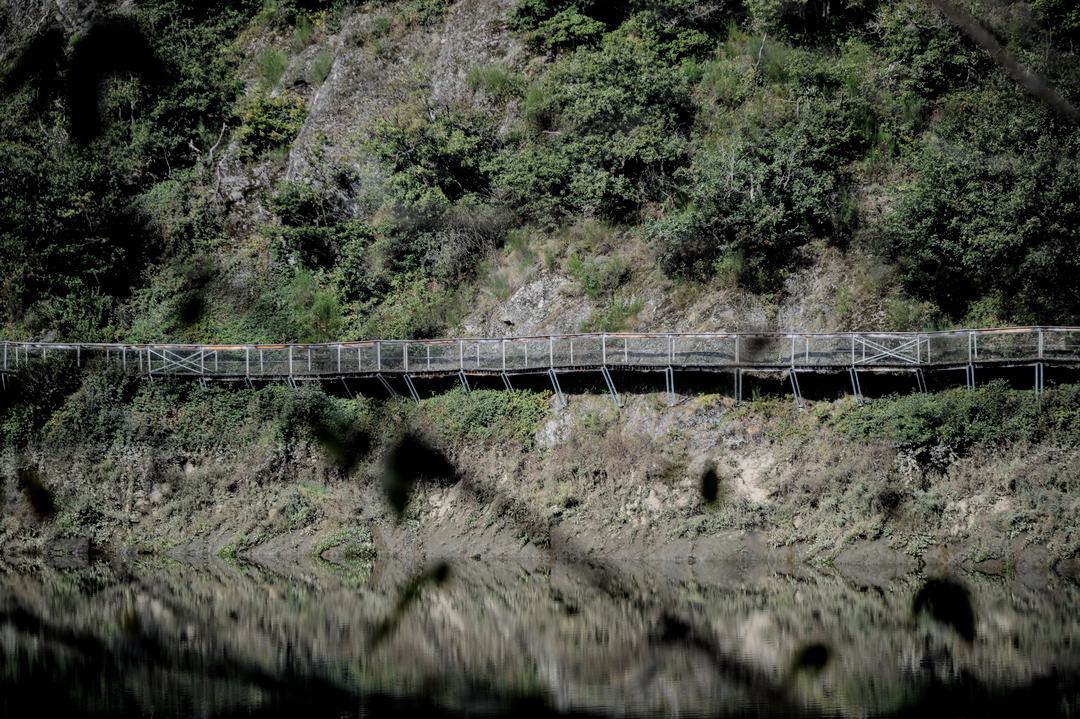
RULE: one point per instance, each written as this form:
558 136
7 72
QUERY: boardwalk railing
851 351
800 351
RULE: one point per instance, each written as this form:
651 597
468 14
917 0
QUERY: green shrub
567 28
269 122
496 81
614 317
32 396
957 419
991 211
492 417
302 33
598 277
320 67
427 12
270 66
606 126
434 161
414 307
314 309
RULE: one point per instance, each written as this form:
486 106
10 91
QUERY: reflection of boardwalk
792 353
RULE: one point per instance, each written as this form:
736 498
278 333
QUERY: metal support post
412 389
386 385
856 387
560 398
969 373
920 380
669 376
506 382
738 382
464 380
793 376
611 386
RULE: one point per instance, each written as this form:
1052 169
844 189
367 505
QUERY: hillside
306 170
319 170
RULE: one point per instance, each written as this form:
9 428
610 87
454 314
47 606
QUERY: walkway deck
790 353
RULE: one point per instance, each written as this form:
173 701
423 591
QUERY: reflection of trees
658 639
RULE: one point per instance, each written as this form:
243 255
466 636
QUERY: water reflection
215 639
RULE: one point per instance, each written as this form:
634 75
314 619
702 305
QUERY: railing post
247 362
405 354
290 361
792 350
502 344
551 351
5 356
78 355
1040 343
852 349
339 358
603 348
670 350
428 356
461 355
378 356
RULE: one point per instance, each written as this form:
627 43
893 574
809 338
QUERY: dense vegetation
732 138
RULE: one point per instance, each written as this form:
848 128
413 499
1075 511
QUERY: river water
168 638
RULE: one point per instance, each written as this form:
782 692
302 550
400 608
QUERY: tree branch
1024 77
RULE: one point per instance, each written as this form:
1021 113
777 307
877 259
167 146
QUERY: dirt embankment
618 484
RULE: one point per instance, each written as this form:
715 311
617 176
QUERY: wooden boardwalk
789 353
